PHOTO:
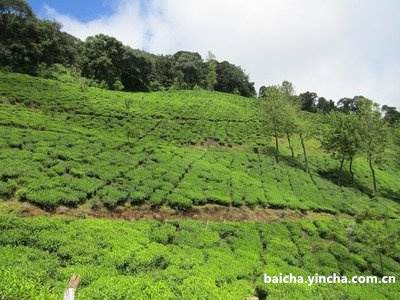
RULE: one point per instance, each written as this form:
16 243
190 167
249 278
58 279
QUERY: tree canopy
28 44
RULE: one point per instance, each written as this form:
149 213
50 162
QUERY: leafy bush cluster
189 259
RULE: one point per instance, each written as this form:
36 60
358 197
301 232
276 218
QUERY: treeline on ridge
39 47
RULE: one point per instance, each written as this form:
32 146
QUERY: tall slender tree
281 114
374 134
342 139
305 132
273 106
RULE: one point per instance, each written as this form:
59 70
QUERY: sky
336 48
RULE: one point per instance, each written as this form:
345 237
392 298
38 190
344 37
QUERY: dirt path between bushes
145 212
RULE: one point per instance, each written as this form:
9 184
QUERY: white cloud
335 48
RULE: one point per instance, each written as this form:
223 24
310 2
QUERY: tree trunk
290 144
373 174
340 171
304 152
351 169
276 147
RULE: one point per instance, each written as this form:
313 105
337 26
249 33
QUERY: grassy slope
61 145
188 259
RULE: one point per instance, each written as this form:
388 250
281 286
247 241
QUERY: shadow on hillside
288 160
390 194
331 175
267 150
346 181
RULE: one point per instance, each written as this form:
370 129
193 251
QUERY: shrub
111 196
179 202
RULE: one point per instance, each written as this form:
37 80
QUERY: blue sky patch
83 10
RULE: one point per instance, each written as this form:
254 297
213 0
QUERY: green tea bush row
189 259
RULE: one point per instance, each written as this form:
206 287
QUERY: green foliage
373 130
107 59
64 146
37 47
281 112
343 137
350 105
211 78
118 86
26 42
374 134
190 259
19 8
397 136
308 101
231 78
392 116
65 75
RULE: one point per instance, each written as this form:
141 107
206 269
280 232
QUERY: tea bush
186 259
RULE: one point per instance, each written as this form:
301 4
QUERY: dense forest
38 47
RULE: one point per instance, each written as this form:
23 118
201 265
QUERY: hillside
65 145
69 149
189 259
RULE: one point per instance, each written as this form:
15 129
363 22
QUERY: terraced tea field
66 145
189 259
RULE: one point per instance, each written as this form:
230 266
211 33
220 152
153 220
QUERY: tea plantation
190 259
71 145
64 144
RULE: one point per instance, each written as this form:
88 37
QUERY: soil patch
204 213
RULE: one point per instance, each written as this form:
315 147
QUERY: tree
190 68
287 88
11 11
261 91
118 86
103 59
290 112
392 116
350 105
324 106
280 114
305 132
231 78
289 123
373 130
342 139
273 107
179 81
136 70
396 137
15 7
162 74
27 42
107 59
308 101
211 78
